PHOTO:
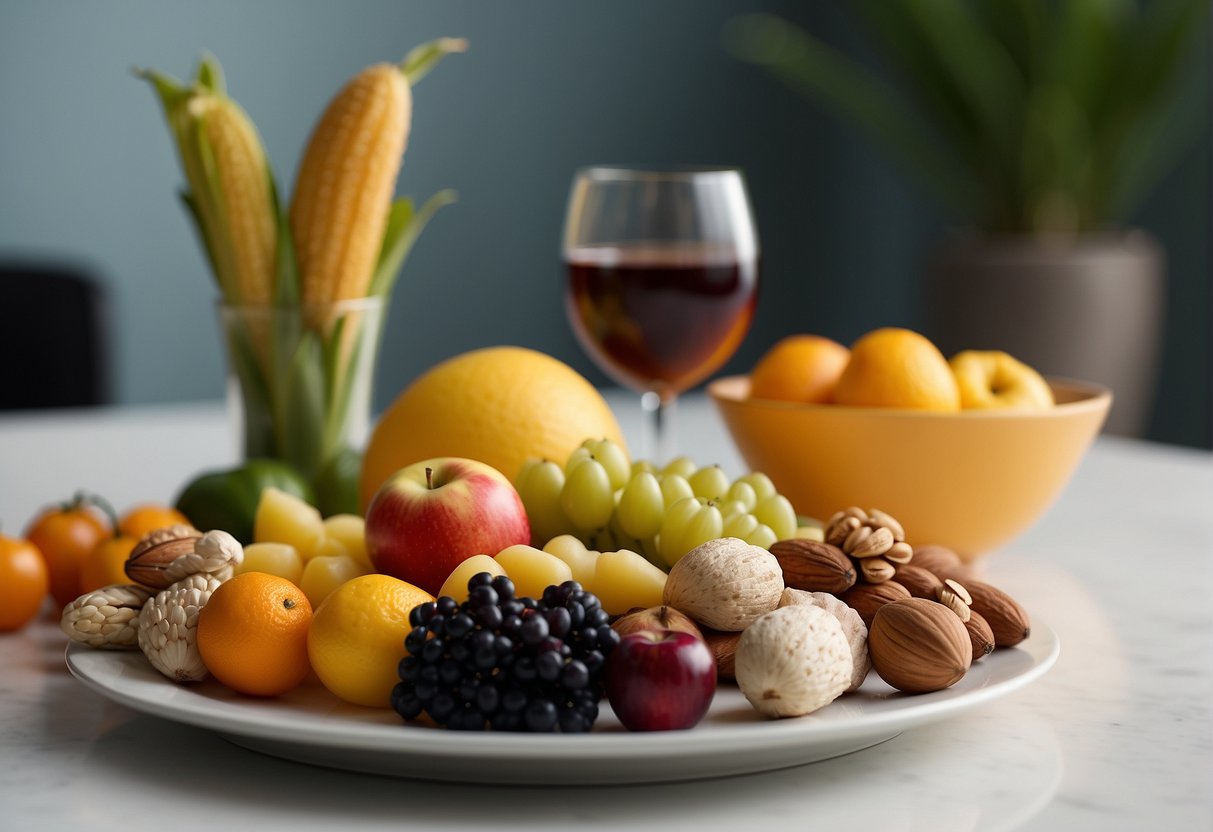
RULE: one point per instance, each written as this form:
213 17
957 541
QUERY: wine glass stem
658 436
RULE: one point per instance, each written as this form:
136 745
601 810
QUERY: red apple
428 518
660 680
656 618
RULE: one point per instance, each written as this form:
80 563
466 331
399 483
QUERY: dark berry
482 596
489 617
504 587
415 640
432 650
408 668
540 716
559 621
549 665
479 579
446 605
459 625
575 675
534 629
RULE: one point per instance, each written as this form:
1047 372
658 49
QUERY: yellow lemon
894 367
357 636
498 405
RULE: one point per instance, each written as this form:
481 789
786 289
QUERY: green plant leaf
191 208
403 228
919 68
822 74
286 277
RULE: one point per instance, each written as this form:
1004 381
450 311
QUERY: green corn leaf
823 74
191 208
286 277
421 59
302 406
210 74
403 228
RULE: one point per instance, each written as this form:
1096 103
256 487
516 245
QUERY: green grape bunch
609 502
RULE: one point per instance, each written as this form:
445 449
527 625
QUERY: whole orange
105 564
148 517
252 634
24 581
498 405
65 535
894 367
799 368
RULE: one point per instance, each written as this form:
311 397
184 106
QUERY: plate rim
240 716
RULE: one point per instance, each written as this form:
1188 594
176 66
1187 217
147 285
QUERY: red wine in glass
660 317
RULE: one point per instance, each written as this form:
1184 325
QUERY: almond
919 646
866 599
814 566
148 563
724 650
1008 621
922 583
940 560
980 635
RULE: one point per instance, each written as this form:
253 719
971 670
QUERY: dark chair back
54 338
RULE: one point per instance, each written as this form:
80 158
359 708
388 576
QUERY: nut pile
800 624
173 571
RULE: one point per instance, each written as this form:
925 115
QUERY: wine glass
662 279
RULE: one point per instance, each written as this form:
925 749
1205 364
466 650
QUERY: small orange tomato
105 564
24 579
65 535
148 517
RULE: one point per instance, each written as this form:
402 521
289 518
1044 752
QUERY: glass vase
300 381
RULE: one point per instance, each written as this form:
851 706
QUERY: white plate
310 725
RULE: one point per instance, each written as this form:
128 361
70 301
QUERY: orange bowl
970 481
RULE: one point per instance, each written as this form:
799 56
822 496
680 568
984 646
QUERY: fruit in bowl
969 479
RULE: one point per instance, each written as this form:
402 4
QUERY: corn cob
231 191
247 199
344 188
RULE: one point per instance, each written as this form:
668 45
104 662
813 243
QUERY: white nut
106 618
852 626
792 661
726 584
168 628
216 553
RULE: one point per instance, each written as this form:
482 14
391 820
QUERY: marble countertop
1118 735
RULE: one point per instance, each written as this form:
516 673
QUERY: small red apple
660 680
428 518
656 618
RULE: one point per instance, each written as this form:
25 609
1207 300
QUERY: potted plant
1040 125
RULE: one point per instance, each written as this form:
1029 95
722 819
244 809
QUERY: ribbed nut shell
919 646
107 618
866 599
1007 619
852 626
814 566
792 661
168 628
725 584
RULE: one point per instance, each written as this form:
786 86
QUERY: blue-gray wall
88 173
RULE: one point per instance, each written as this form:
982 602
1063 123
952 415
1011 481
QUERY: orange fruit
894 367
24 581
499 405
357 637
799 368
148 517
105 564
252 634
65 535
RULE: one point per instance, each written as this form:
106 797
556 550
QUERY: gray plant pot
1088 308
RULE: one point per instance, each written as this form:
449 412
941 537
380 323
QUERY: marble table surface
1117 736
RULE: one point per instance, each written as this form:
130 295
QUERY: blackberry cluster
507 663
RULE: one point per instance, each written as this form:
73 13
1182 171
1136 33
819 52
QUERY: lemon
356 640
498 405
